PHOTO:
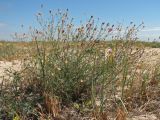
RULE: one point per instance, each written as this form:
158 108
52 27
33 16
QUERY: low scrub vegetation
72 72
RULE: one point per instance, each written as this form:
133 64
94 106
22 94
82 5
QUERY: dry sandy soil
6 67
151 56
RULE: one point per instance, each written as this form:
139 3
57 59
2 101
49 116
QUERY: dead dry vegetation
68 73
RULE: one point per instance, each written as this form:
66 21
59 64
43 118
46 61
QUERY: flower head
110 30
109 50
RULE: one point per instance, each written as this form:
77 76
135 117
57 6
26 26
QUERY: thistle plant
86 64
67 54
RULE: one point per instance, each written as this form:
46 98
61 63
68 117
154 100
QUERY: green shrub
76 67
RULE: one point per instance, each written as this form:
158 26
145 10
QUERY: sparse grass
154 44
13 50
76 68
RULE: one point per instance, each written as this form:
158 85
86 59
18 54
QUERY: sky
14 13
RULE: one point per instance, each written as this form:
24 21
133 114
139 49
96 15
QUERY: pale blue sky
13 13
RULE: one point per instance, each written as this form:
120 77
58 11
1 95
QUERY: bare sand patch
6 66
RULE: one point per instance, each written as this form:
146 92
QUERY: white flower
108 51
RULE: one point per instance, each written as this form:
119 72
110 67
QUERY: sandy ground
6 66
151 56
144 117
